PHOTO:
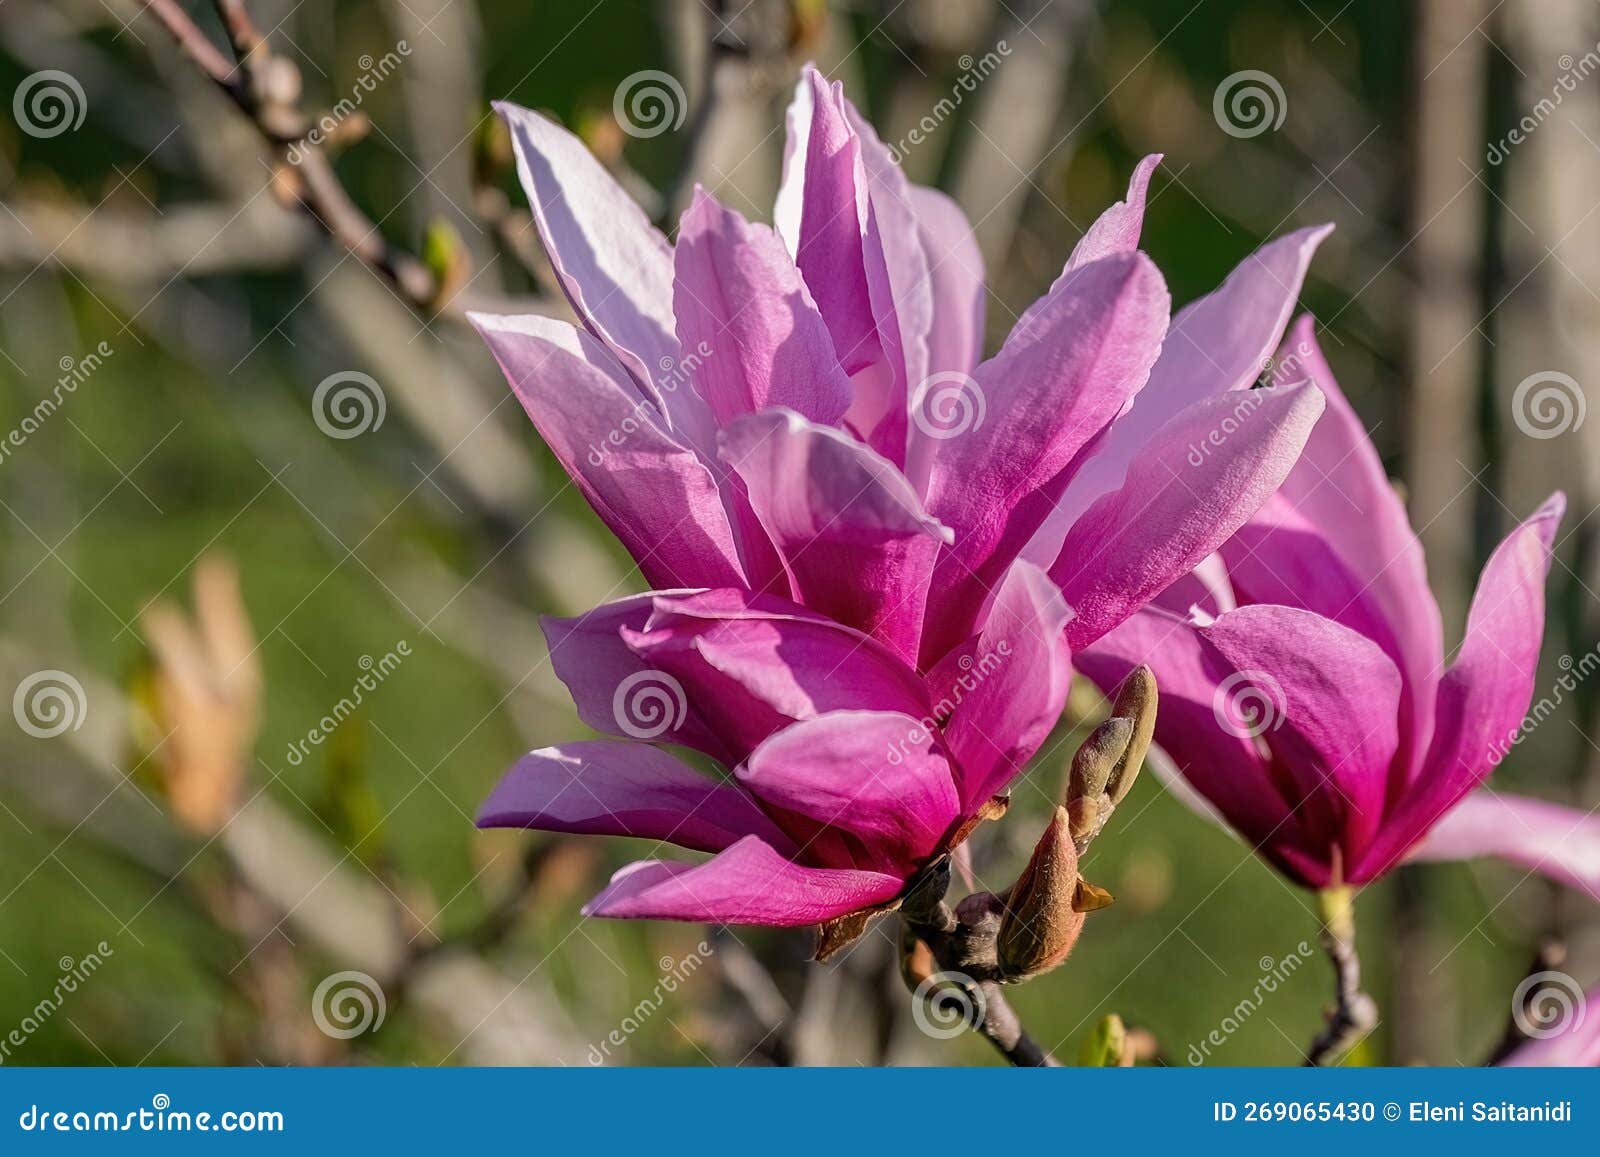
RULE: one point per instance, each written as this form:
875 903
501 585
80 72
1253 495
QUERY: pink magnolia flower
850 772
1305 694
805 411
866 537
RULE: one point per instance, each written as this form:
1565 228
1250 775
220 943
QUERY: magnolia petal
853 535
1223 765
614 690
863 789
955 267
1219 343
613 264
742 307
1485 693
1325 700
1032 409
1340 489
1115 231
749 883
749 676
1200 477
1560 842
650 489
1008 692
604 787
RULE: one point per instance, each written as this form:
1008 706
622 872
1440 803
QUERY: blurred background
274 534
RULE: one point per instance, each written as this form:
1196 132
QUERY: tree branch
1354 1014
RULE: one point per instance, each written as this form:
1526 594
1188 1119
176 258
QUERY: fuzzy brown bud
1041 921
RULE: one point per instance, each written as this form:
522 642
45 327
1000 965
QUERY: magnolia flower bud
1042 921
1088 803
1135 701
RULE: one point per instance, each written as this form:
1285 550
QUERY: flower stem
962 945
1355 1014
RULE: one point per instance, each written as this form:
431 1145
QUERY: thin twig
962 943
1354 1014
266 88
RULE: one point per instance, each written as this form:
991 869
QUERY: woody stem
1354 1014
962 944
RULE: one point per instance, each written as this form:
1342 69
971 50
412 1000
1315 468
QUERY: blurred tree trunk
1442 445
1550 324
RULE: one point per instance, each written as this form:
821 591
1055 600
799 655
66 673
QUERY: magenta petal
614 266
1009 689
1226 767
1052 388
1560 842
750 676
603 787
748 320
655 494
955 266
861 789
1339 489
1485 693
1195 483
1114 231
856 541
614 690
1325 701
749 883
1216 344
